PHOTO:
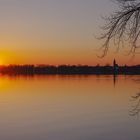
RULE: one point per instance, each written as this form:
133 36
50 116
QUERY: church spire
114 62
115 67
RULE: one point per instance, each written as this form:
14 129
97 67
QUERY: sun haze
54 32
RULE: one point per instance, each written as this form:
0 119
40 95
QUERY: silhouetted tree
123 25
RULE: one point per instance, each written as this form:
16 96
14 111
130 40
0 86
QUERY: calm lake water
69 108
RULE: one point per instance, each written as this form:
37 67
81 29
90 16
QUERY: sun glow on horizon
31 57
54 33
1 62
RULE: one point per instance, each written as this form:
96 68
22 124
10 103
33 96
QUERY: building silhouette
115 67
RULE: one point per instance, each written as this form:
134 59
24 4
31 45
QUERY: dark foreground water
69 108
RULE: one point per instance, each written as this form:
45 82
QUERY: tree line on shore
68 69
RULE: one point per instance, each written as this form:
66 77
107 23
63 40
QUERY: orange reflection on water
52 107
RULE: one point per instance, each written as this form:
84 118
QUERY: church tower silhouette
115 67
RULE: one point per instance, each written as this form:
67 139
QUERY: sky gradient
55 32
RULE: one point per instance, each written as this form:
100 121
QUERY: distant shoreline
69 70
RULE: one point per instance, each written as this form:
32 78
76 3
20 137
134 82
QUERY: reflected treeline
135 100
67 69
135 110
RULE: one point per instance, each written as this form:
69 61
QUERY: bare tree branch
123 25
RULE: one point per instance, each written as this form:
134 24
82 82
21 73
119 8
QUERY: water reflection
115 78
135 101
67 108
135 110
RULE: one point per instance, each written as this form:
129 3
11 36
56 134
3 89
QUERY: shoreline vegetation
69 70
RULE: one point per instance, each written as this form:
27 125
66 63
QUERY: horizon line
65 65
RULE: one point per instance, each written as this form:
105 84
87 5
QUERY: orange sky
52 32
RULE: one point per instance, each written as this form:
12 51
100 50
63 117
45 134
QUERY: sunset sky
55 32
